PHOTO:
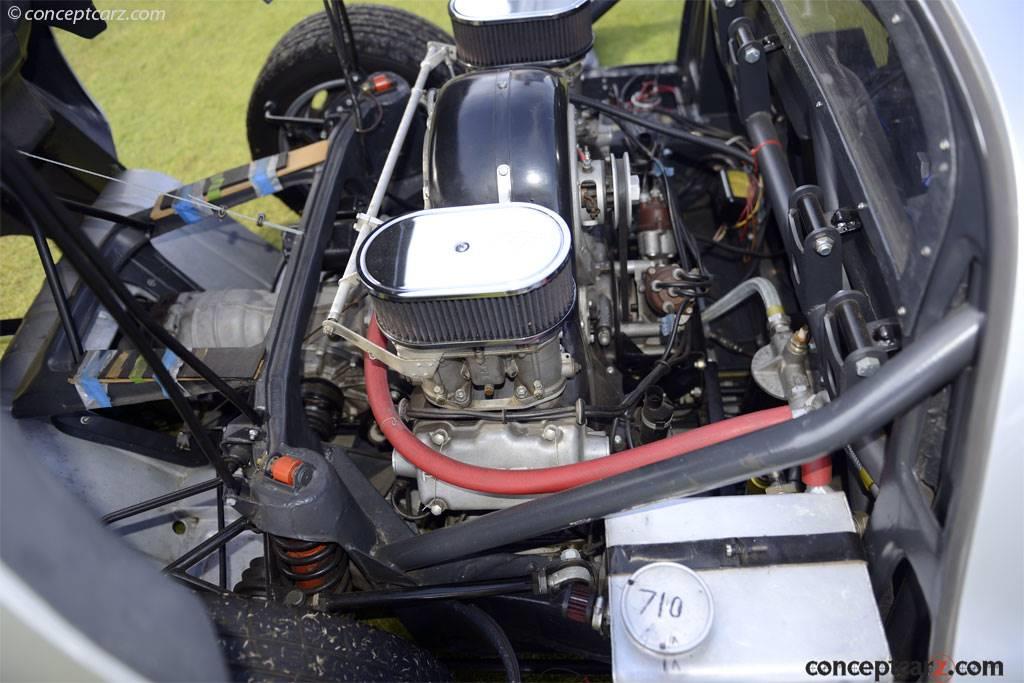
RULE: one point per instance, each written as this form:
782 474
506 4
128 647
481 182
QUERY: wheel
267 641
387 39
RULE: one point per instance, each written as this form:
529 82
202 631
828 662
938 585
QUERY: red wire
753 152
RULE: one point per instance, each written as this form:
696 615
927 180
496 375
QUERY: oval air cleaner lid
493 272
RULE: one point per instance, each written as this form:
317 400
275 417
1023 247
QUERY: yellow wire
757 205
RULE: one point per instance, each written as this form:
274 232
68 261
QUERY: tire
387 39
271 642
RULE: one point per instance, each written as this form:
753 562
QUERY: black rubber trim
732 553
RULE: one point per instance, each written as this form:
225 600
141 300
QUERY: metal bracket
414 369
504 177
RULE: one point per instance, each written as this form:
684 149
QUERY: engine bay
565 343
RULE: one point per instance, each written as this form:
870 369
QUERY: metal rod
208 546
920 369
222 552
347 602
60 298
196 582
367 221
268 561
39 203
160 501
105 274
90 210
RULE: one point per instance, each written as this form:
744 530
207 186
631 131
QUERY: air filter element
504 32
495 273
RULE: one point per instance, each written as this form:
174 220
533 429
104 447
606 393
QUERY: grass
175 91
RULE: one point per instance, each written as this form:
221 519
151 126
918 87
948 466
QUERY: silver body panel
769 621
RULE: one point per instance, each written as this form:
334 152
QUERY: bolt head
253 433
751 54
439 437
522 391
549 433
460 394
436 507
462 247
823 245
865 367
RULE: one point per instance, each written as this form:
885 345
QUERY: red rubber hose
549 479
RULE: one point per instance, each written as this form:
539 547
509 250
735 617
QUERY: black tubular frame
922 368
349 602
110 279
37 201
160 501
215 542
60 296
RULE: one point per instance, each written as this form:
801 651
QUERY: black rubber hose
492 632
668 131
920 369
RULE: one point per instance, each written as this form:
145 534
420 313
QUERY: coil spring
311 565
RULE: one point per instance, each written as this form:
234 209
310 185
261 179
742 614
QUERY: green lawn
175 91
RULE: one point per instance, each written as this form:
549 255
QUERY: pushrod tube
923 367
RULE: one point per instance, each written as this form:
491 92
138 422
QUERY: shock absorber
311 565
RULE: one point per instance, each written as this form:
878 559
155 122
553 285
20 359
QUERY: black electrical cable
353 53
683 240
739 250
334 19
495 635
618 114
37 202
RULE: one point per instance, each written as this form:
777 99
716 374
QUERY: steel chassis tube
929 363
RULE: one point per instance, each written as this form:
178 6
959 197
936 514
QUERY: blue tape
189 211
263 176
90 389
170 361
